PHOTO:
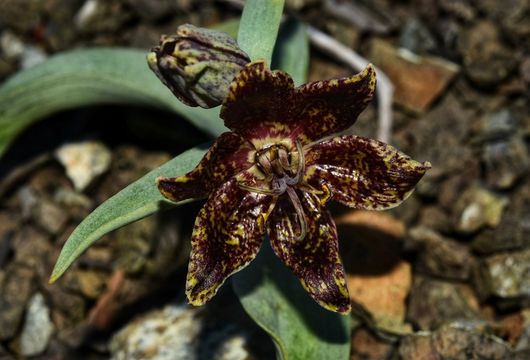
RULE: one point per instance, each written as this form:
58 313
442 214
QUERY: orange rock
377 278
418 80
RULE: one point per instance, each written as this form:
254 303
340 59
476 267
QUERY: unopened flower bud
197 64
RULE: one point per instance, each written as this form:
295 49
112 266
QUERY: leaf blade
291 53
258 28
89 77
274 298
136 201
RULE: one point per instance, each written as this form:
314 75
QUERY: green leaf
258 28
291 53
135 202
88 77
276 301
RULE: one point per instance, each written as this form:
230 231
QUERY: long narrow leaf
258 28
291 53
136 201
88 77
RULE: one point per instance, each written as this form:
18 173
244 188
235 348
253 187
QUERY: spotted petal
362 173
257 105
315 258
229 155
322 108
227 236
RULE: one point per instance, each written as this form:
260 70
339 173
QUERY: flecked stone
14 294
456 341
477 208
486 61
462 10
37 329
416 37
497 125
172 333
433 302
33 249
102 16
504 275
418 80
84 162
439 137
435 218
89 283
513 232
505 162
50 216
439 256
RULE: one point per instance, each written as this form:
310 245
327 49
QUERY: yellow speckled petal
227 235
362 173
229 155
257 105
315 258
322 108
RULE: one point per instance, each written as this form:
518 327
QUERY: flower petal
227 236
315 258
229 155
331 106
362 173
257 105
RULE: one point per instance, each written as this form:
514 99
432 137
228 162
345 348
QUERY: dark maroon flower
275 171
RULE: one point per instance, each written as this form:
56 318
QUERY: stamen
299 213
271 192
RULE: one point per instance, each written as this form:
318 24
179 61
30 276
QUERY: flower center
282 170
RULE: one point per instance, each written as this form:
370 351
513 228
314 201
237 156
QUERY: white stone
37 329
84 162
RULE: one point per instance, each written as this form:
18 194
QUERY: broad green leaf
291 53
276 301
258 28
88 77
135 202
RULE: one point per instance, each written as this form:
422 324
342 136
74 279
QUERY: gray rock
477 208
505 162
433 302
32 56
37 329
505 276
178 332
456 341
497 125
439 256
14 294
416 37
487 62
